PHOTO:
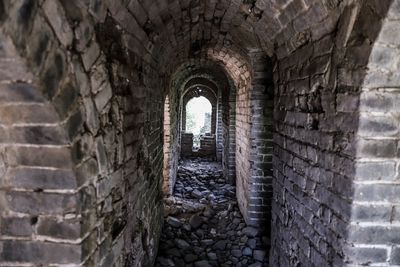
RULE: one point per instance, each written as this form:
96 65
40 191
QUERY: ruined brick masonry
305 97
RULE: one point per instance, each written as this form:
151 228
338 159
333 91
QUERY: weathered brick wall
102 93
227 127
230 147
311 170
103 66
260 180
374 226
254 108
207 147
173 147
38 184
318 79
243 147
220 126
186 144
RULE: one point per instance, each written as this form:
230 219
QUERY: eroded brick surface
306 109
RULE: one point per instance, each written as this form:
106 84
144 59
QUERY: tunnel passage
234 124
203 225
306 107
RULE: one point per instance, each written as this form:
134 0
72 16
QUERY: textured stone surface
306 125
212 233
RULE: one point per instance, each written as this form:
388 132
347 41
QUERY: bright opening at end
198 118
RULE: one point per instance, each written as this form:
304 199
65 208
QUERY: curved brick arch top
179 28
222 63
198 90
202 77
39 201
201 81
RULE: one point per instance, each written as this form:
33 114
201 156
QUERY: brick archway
40 206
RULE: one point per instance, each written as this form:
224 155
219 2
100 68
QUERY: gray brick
40 252
364 256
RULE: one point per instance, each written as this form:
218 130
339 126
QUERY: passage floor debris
203 226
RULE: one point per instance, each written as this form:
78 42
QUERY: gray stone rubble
203 226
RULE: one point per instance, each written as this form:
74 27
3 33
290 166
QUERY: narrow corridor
298 105
203 226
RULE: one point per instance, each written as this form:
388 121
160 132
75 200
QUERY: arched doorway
198 120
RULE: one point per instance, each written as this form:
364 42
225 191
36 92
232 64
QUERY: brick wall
102 69
243 147
38 184
318 82
259 208
373 230
108 101
311 169
186 144
228 128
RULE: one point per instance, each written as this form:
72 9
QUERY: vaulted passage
297 148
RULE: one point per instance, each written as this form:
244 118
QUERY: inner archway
211 197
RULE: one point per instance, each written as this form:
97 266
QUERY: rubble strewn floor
203 226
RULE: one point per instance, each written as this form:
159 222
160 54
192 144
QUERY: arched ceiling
174 31
202 81
170 33
247 23
198 91
205 72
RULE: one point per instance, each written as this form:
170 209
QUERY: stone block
374 235
91 54
20 92
17 227
377 192
372 213
92 119
35 203
13 114
395 256
56 16
384 170
377 148
40 253
56 157
38 135
66 99
362 256
35 178
103 97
